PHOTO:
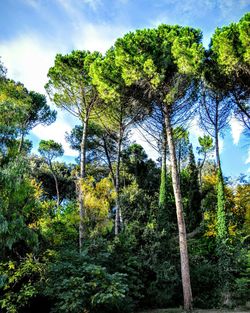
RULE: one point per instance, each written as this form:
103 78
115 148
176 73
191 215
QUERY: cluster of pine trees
116 231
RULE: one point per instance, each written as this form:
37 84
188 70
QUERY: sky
32 32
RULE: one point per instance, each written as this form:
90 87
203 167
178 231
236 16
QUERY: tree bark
20 147
109 160
163 192
118 214
216 135
57 186
82 175
186 284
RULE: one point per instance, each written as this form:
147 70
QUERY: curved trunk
186 284
118 215
82 175
57 188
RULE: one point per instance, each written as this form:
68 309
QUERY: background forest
117 231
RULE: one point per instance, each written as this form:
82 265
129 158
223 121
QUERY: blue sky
33 31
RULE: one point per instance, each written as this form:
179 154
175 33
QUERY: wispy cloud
88 35
139 137
35 4
56 131
236 130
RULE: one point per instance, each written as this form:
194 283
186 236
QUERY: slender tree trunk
163 192
82 175
217 149
109 160
20 147
57 186
186 284
163 214
118 214
200 167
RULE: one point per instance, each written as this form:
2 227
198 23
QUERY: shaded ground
196 311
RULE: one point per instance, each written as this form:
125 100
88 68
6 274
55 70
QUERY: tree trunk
118 215
108 160
186 284
200 167
82 175
217 149
57 186
20 147
216 134
163 192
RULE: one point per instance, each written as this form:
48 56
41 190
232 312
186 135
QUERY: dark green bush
74 285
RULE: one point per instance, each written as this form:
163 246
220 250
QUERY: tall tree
37 112
165 61
206 146
124 106
214 117
100 146
181 146
49 150
193 209
230 49
70 87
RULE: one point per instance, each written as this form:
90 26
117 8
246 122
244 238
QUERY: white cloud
195 129
221 144
56 131
28 59
138 137
85 34
98 37
236 130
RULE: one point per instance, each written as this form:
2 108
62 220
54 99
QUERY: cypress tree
194 198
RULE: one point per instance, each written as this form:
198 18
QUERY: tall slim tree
214 117
124 106
206 147
100 145
37 112
49 150
165 61
70 87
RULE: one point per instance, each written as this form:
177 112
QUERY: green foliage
50 149
70 81
193 206
231 46
64 172
20 207
242 283
163 51
75 285
99 142
147 72
19 283
205 274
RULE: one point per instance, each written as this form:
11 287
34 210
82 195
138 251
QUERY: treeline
116 231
